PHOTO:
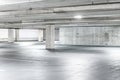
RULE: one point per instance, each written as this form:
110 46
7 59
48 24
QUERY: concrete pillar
10 35
44 34
40 36
16 34
50 37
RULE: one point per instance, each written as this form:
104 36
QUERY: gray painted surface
90 36
50 37
56 34
30 61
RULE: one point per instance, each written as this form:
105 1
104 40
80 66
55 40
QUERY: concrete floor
30 61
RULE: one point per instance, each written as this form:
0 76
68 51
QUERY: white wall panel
3 34
28 34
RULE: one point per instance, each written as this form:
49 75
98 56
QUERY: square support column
16 34
10 35
40 35
50 37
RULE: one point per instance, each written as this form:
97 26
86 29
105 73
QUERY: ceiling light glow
78 17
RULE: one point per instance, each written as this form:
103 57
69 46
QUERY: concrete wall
90 36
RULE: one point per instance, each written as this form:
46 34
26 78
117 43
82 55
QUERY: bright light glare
78 17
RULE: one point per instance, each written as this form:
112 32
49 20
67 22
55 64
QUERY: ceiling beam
38 26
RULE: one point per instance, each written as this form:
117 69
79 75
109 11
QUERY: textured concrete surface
30 61
90 36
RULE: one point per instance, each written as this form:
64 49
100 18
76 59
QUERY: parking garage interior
59 40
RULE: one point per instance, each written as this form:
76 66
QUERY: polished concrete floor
30 61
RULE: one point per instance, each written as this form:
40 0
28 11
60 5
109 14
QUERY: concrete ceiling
6 2
61 13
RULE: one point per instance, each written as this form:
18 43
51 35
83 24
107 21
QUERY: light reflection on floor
30 61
